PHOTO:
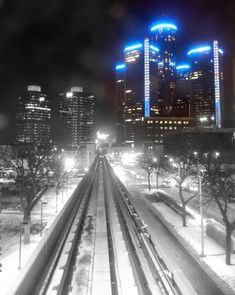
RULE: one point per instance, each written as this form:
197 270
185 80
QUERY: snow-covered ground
10 234
214 260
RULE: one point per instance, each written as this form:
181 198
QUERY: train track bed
104 247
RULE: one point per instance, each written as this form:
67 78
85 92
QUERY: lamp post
42 203
201 214
199 174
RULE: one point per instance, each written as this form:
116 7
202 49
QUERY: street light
42 203
22 223
199 175
201 214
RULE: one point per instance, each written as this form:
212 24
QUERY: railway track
103 247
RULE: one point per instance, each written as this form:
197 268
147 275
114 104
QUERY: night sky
58 44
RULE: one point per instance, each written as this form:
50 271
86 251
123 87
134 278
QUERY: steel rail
138 270
114 283
157 265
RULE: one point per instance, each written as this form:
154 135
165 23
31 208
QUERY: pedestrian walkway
10 232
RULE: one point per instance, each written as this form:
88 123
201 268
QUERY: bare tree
145 161
30 165
219 185
158 166
181 169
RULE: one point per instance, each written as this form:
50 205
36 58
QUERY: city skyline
86 56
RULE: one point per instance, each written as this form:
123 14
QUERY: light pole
42 203
22 223
201 214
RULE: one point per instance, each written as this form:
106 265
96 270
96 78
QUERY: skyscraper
163 35
139 89
76 118
206 85
33 117
183 102
120 99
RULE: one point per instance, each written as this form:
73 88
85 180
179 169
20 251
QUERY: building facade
76 118
137 87
33 117
151 84
206 85
163 35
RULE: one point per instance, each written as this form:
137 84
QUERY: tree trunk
149 182
184 215
183 207
27 221
157 180
228 244
27 233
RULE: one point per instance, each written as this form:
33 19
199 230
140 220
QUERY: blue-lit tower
163 35
139 72
206 83
183 105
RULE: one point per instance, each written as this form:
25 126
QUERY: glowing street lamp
69 164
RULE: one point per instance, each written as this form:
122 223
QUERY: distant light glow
69 164
183 67
221 51
120 66
199 50
154 48
41 99
102 136
69 94
133 47
163 26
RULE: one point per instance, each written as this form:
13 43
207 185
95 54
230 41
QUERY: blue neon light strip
163 26
154 48
221 51
183 67
133 47
146 79
199 50
120 67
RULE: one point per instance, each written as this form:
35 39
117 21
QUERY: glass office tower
76 118
206 85
33 117
137 89
163 35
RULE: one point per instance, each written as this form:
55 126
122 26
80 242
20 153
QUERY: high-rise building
120 99
163 35
33 117
76 118
206 85
183 103
137 86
